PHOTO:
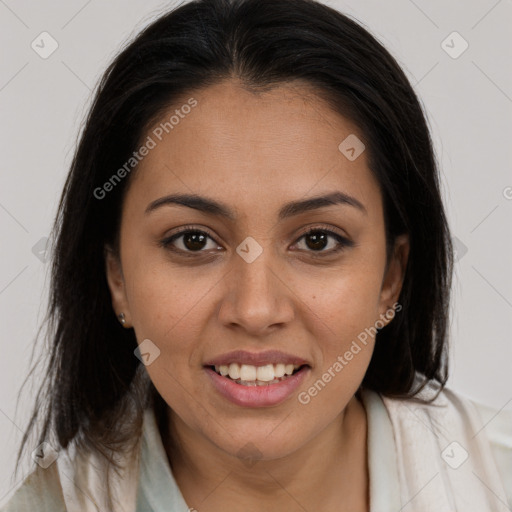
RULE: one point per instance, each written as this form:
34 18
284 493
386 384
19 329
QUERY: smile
249 375
251 379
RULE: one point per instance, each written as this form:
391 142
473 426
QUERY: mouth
257 379
251 375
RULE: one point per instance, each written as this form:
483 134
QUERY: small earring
121 318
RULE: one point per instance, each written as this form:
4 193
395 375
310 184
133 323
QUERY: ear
394 275
116 284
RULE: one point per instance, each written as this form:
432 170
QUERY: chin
259 444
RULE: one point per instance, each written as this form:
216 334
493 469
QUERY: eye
316 240
189 240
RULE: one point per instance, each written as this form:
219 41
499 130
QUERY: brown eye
318 240
189 241
194 241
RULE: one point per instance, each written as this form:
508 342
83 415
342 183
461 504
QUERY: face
237 285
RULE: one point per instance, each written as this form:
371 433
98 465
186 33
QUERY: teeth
256 375
279 370
248 372
234 371
265 373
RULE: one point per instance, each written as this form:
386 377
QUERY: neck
328 473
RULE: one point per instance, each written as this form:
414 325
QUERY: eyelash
343 242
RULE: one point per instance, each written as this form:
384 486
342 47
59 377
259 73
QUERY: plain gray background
468 101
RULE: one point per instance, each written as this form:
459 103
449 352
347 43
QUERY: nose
257 298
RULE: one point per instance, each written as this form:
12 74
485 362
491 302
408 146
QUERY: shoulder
462 428
497 428
41 491
447 407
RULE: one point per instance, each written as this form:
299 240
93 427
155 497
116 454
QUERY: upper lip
256 358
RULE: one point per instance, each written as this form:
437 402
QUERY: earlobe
116 284
395 274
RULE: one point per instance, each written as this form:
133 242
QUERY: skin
254 153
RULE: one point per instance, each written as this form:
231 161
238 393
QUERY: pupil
319 241
194 241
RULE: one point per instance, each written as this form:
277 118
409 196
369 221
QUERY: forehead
252 149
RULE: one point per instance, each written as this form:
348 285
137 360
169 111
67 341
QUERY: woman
251 283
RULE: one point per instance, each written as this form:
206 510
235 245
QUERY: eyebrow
213 207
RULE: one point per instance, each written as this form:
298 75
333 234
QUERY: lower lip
257 396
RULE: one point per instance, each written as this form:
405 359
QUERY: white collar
406 467
159 489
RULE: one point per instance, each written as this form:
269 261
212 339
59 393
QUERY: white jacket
450 456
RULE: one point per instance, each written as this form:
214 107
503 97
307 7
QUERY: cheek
346 305
168 308
344 319
166 301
